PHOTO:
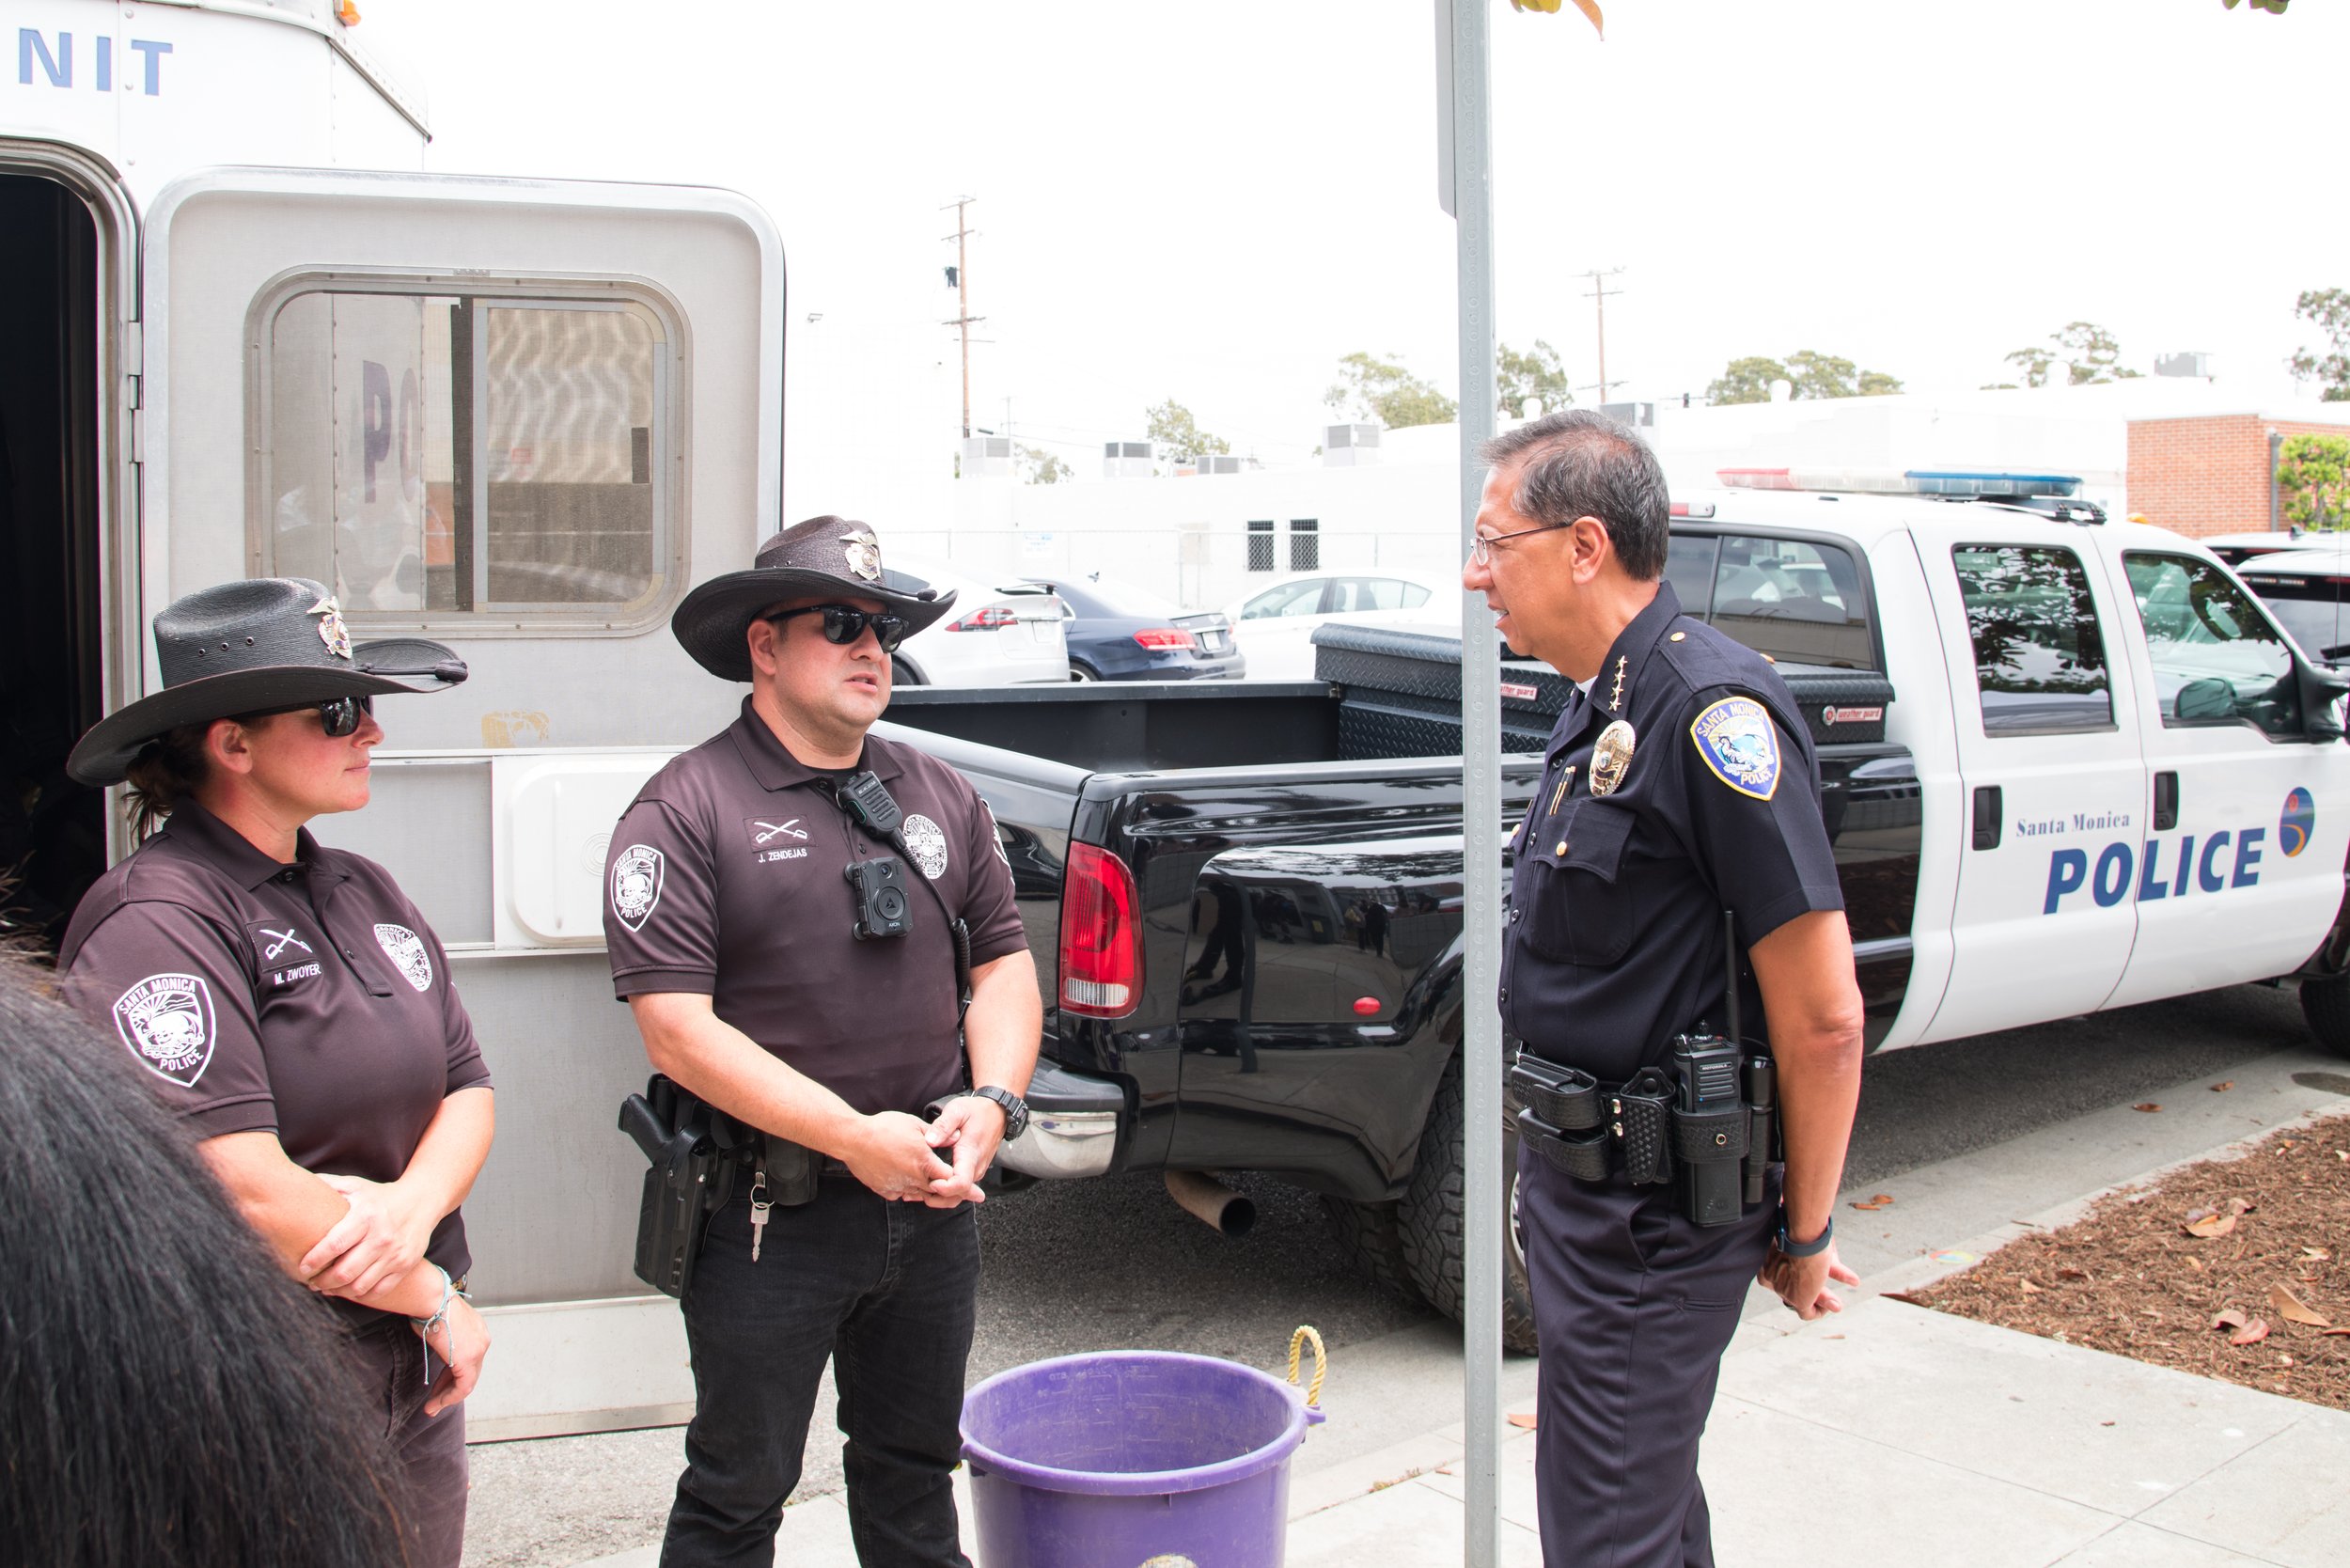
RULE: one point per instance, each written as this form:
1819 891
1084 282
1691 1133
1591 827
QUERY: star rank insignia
1615 697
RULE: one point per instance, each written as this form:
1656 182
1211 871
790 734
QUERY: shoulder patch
635 883
1738 742
168 1023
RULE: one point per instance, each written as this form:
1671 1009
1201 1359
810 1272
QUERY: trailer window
439 458
2040 655
1797 601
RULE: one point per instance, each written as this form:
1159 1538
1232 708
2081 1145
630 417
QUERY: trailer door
520 417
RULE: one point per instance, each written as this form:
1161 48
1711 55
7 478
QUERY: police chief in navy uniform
735 939
1679 783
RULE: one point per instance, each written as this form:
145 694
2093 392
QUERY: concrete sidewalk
1888 1433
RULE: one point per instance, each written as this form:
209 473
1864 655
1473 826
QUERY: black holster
696 1152
1591 1132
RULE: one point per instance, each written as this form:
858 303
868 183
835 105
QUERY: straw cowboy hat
247 647
822 556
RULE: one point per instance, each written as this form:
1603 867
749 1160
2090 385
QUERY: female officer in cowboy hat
290 1003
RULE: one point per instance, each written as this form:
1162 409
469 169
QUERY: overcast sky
1214 200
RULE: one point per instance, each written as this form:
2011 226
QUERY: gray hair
1578 463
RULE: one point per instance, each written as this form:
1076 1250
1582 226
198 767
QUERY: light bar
1913 481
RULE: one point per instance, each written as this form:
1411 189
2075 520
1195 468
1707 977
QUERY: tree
1536 373
2329 310
2274 8
1044 468
2314 477
1810 373
1179 436
1383 390
1747 381
2087 350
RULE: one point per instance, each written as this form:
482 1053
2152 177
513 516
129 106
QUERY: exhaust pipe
1225 1211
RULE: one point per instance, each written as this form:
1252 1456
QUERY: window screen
2039 659
1689 568
438 456
2216 659
1261 544
1305 544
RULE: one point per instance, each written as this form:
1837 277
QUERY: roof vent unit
2193 365
1126 460
1639 415
1350 446
1215 463
986 456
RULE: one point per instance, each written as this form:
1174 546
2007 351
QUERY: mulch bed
2209 1270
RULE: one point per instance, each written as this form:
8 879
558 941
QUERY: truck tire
1372 1237
1433 1213
2326 1003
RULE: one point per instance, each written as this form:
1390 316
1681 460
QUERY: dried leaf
2290 1307
2241 1205
2029 1289
2229 1319
2223 1088
2332 1332
2195 1263
1881 1200
2146 1106
2069 1272
2316 1254
2250 1334
1522 1419
2210 1225
1590 9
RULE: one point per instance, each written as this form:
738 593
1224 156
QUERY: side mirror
2211 698
2322 690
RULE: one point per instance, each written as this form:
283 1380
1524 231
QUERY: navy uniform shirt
726 877
1614 943
309 1000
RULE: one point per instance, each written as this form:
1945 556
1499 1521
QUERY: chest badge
927 841
1611 756
167 1022
1738 742
405 948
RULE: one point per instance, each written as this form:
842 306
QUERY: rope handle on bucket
1322 1361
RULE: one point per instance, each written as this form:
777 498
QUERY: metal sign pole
1463 149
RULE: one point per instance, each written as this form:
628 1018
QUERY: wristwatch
1015 1109
1790 1247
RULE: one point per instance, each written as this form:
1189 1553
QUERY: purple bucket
1117 1459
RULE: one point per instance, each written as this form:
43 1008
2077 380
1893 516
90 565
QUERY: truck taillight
1101 936
1162 637
988 619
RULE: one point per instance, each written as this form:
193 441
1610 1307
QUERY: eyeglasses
845 623
337 715
1482 550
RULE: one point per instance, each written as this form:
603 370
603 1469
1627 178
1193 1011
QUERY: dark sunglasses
337 715
845 623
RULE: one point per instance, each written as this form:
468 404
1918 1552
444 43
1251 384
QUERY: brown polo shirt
727 877
308 1001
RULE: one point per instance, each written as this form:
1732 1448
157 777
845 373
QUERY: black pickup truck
1245 903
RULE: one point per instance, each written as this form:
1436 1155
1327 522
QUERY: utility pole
963 320
1600 295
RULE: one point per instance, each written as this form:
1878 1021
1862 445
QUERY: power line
1600 295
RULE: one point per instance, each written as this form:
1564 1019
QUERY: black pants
1633 1308
389 1363
886 1290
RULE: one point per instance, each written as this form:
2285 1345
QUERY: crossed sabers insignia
285 939
771 831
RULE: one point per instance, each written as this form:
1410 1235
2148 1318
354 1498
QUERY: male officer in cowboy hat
750 929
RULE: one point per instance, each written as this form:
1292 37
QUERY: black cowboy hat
246 647
824 555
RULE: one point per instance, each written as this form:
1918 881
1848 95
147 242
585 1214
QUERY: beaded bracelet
450 1290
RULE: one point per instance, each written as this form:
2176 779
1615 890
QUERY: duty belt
1591 1131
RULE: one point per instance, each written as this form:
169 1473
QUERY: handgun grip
646 1130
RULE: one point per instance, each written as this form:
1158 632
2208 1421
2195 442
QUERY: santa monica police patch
167 1021
1737 739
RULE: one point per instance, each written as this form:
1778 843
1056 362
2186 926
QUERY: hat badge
332 631
863 553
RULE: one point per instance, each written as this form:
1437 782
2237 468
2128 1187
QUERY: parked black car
1118 633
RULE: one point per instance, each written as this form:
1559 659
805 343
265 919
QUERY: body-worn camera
881 909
